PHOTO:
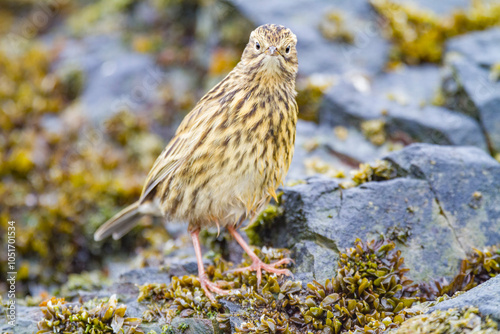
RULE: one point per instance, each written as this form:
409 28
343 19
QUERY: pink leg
206 284
257 264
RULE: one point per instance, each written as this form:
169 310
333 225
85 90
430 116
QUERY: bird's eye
257 46
287 50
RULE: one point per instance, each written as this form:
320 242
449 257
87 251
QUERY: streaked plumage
233 149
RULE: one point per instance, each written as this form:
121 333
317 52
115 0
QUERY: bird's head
271 50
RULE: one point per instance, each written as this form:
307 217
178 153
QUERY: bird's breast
244 156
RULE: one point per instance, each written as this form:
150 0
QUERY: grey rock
368 54
435 125
465 182
193 326
431 199
115 78
471 91
181 267
345 105
145 275
26 320
486 297
439 7
313 260
341 154
481 47
410 85
234 310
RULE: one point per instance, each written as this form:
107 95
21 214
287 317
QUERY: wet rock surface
476 94
346 105
366 54
440 202
486 297
472 85
487 41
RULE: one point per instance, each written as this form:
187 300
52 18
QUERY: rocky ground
393 145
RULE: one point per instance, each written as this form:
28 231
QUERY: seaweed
333 27
310 93
419 35
91 317
451 321
379 171
370 292
477 268
374 131
43 164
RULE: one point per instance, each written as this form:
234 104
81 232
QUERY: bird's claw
209 287
258 265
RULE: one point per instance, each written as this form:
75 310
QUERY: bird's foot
215 287
258 265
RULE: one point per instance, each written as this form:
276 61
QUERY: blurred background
91 91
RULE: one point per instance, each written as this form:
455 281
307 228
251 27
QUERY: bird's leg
257 264
205 283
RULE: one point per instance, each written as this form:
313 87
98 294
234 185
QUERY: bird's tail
119 224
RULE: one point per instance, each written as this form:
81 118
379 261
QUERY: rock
471 91
486 297
26 320
345 105
341 154
234 310
441 202
145 275
316 53
481 47
439 7
465 183
313 261
193 326
405 85
115 78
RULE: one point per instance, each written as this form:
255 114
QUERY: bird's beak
272 51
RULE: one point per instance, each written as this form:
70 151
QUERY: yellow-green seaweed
419 35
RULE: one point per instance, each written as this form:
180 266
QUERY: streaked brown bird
230 153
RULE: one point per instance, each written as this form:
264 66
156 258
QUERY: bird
229 154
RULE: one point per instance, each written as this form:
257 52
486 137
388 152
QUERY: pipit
229 154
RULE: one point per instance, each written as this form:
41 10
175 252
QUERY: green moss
91 317
182 327
495 72
315 165
167 329
86 18
439 98
72 81
419 35
334 28
263 223
374 131
295 183
398 233
310 93
379 171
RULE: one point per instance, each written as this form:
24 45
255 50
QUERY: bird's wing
169 160
188 135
